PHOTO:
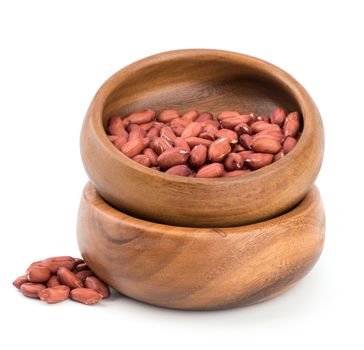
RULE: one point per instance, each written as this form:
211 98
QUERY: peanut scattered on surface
56 279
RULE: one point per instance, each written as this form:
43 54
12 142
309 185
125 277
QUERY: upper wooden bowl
205 80
199 268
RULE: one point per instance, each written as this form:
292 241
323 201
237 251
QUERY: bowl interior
205 82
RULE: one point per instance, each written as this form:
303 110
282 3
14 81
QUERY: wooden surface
199 268
207 80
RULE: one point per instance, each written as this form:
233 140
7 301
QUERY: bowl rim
310 114
97 203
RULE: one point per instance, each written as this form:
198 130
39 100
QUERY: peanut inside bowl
197 145
206 80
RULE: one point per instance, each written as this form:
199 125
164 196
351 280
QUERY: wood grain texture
199 268
207 80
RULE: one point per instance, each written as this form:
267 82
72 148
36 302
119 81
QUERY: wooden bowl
199 268
205 80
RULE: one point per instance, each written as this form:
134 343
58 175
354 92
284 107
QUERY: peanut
278 135
31 289
131 127
142 159
80 267
120 142
160 145
78 261
134 147
203 117
136 132
236 172
112 138
35 263
168 115
20 280
178 129
85 296
238 148
288 144
233 161
243 128
247 118
291 125
213 123
158 125
59 261
246 140
190 116
259 126
198 156
192 130
258 160
142 117
227 114
38 274
68 278
181 143
218 150
116 127
210 129
151 155
53 282
278 156
153 133
181 170
231 135
263 118
211 170
172 157
83 274
194 141
54 295
167 133
231 123
246 154
207 136
278 116
179 122
94 283
147 126
266 145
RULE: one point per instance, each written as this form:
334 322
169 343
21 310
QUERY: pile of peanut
198 145
55 279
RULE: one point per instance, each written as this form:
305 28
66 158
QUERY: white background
53 58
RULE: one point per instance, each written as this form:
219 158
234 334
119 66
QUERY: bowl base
200 268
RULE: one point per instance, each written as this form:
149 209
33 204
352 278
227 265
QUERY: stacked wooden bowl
191 243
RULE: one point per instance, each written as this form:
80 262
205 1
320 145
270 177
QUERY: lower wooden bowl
200 268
